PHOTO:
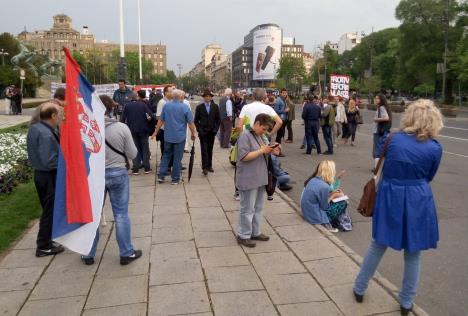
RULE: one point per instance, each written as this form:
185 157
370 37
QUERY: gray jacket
119 136
43 147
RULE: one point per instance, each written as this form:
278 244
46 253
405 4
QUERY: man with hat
207 120
225 109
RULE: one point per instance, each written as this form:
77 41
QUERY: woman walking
352 113
404 215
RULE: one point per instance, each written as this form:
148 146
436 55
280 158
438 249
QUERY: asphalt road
444 280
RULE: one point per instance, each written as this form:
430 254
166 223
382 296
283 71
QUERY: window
161 63
160 56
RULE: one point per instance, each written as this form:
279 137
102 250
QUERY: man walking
207 121
225 109
137 116
175 116
122 96
43 149
327 121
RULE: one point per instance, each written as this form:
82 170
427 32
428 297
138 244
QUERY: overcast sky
186 26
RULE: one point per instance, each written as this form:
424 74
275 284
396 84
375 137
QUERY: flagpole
122 70
139 41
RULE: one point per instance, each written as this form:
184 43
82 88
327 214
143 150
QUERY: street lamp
122 70
3 53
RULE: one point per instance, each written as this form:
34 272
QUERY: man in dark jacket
122 96
137 116
311 114
43 149
207 120
225 110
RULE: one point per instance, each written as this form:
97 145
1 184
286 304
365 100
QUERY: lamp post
139 42
122 69
3 53
444 71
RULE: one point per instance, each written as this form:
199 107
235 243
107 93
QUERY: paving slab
277 220
211 225
327 308
178 299
142 230
276 263
215 239
319 248
300 232
169 209
121 310
176 250
222 257
171 234
232 279
11 302
279 208
376 300
274 244
27 242
249 303
137 218
71 263
69 306
56 285
206 212
109 292
333 271
23 258
293 288
176 271
203 200
18 279
173 220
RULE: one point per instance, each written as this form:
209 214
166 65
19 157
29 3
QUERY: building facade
50 42
348 41
221 74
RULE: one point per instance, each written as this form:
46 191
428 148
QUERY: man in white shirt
167 97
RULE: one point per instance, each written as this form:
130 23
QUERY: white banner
107 89
266 53
339 86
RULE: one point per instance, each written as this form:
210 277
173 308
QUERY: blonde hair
423 119
327 171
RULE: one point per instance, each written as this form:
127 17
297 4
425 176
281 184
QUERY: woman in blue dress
317 195
404 212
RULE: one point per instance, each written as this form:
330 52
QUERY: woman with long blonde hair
404 216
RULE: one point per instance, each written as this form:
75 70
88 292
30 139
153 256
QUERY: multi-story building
348 41
50 42
207 54
221 74
290 49
242 67
309 61
216 60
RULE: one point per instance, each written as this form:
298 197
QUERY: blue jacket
280 107
137 115
314 201
122 97
311 112
43 147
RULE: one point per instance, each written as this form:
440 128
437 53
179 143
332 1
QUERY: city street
444 279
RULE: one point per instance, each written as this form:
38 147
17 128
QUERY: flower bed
14 167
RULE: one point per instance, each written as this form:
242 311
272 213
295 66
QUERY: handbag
367 201
270 187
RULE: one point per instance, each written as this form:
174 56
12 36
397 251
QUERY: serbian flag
80 183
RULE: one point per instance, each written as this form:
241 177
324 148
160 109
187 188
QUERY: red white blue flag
80 184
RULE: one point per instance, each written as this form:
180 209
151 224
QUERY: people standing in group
7 93
382 124
43 147
154 99
327 121
225 109
291 116
318 194
119 148
251 178
175 117
122 96
281 109
238 104
311 114
405 215
188 142
340 119
137 116
352 115
207 121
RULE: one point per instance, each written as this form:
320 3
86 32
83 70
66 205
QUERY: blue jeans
410 277
283 179
119 192
173 151
327 136
250 215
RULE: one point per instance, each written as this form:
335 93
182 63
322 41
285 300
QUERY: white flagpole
122 54
139 41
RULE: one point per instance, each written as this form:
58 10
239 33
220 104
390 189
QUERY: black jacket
137 115
311 112
207 123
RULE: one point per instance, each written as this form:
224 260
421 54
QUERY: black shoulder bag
271 185
127 164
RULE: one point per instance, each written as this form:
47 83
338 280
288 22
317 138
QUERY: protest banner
339 86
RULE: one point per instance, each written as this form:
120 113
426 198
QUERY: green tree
292 71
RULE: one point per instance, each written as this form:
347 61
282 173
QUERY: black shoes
56 249
135 255
210 170
285 187
87 260
405 311
245 242
205 172
359 298
261 237
328 153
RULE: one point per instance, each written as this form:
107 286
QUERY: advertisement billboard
266 53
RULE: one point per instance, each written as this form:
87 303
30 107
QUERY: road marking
457 138
458 155
462 129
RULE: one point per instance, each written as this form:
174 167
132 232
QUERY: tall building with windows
348 41
62 34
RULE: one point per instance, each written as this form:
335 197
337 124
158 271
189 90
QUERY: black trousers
45 187
311 133
290 130
206 147
280 133
142 158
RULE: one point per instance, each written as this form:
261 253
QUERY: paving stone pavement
191 263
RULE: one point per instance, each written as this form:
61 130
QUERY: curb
381 280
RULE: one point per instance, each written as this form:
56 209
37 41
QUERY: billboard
266 53
339 86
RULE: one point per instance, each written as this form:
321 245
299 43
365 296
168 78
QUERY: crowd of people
404 213
13 100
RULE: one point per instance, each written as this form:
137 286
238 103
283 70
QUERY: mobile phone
274 145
